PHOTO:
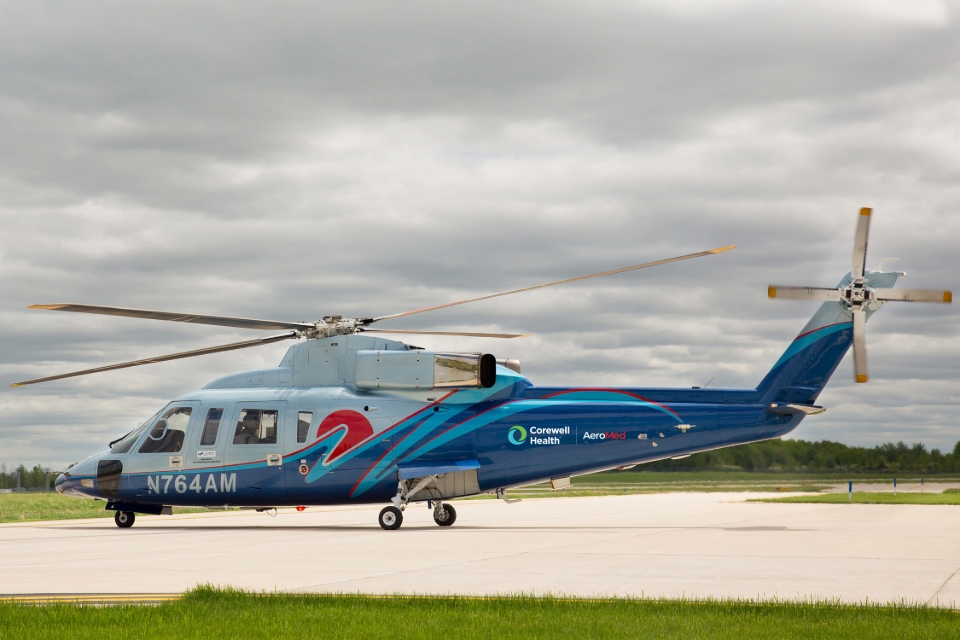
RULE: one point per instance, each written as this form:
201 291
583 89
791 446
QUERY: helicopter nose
60 482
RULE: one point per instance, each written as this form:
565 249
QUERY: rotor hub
331 326
857 294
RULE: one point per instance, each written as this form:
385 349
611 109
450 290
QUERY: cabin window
168 432
256 427
303 425
210 427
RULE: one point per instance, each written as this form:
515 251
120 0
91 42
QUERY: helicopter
348 417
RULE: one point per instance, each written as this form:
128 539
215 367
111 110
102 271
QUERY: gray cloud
304 159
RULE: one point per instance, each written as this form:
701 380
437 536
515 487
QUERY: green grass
212 613
861 497
30 506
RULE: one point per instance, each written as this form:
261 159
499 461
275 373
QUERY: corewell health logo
517 435
537 436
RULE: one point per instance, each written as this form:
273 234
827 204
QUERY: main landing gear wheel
445 516
391 518
124 519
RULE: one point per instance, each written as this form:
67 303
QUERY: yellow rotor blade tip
771 292
861 378
49 307
948 296
866 211
722 249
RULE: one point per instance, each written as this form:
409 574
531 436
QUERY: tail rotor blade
172 356
915 295
860 242
803 293
860 345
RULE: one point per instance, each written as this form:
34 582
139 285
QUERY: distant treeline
36 478
770 455
823 456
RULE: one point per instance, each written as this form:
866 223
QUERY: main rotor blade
860 345
860 243
220 321
173 356
553 284
914 295
803 293
449 333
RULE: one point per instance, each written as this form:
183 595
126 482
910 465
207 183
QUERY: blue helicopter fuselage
305 434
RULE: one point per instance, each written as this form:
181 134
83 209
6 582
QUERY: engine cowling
424 370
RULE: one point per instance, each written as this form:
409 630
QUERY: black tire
124 519
391 518
448 517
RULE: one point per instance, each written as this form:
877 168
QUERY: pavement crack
942 586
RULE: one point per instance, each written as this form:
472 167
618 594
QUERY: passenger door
303 419
253 462
204 456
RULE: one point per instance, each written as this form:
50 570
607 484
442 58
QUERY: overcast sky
292 160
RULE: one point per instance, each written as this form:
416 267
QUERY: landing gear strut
124 519
391 518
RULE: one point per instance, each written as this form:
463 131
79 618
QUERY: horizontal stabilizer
793 409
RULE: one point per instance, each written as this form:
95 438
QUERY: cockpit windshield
168 432
124 444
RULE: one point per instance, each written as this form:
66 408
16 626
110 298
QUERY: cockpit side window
303 425
256 427
168 432
211 427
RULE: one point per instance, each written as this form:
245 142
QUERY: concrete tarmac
662 545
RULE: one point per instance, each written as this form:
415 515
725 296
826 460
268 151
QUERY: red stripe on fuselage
626 393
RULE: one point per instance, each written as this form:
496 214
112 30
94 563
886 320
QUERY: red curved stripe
358 430
626 393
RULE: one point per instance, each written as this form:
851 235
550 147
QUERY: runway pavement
674 544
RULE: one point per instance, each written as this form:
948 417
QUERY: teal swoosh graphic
376 473
803 342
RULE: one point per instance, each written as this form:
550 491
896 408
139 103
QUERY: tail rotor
855 294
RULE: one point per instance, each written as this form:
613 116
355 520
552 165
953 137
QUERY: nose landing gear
124 519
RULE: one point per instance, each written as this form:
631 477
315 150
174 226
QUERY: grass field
871 498
210 613
26 507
